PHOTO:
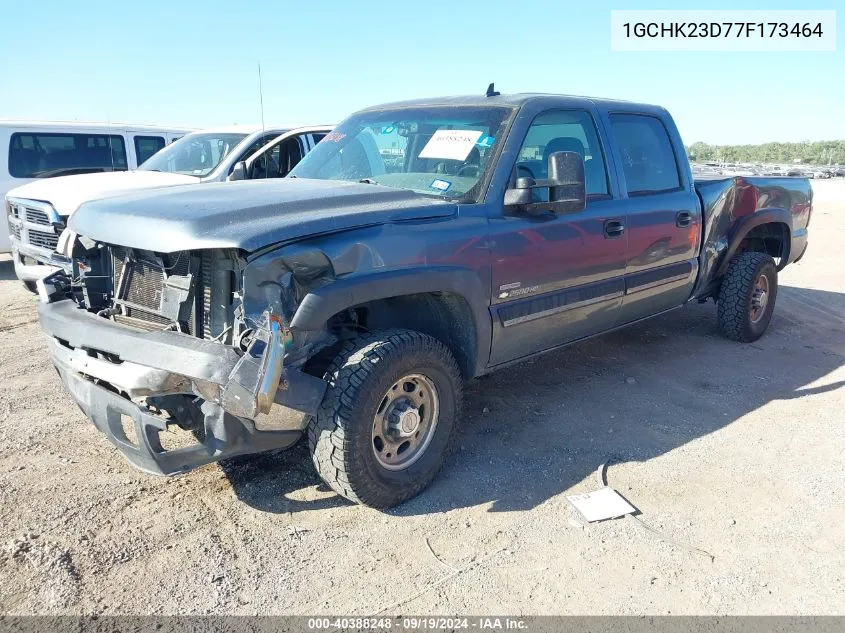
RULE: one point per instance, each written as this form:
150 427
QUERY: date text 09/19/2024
410 623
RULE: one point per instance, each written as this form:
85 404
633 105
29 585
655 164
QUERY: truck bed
733 205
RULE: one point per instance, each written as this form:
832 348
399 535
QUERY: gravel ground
734 449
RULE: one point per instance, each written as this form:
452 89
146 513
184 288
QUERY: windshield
193 154
442 151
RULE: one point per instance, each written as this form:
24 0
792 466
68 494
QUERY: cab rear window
47 154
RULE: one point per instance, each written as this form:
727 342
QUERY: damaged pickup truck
418 245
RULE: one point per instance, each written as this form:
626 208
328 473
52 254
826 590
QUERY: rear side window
43 155
648 159
146 146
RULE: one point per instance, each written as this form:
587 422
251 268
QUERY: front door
557 278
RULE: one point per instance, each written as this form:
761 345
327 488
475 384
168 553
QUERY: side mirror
238 171
566 184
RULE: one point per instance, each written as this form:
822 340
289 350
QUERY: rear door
664 217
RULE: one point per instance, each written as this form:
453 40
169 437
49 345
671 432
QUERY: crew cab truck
419 245
37 212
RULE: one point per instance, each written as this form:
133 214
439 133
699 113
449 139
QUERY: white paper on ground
450 144
604 503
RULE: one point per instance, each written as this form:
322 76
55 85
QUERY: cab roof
515 100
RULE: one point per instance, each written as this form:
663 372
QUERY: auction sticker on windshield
450 144
485 141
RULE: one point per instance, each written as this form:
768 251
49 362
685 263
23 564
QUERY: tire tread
331 446
734 320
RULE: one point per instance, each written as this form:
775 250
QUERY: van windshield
193 154
435 150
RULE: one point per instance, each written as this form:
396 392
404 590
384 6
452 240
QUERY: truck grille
23 218
43 239
139 279
36 216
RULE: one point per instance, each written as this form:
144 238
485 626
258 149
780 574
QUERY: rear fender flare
745 225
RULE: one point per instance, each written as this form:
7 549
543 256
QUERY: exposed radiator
140 287
207 277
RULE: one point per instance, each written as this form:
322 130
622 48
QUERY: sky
195 63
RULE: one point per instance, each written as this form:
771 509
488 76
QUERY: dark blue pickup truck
418 245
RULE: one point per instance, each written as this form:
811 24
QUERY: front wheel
747 297
388 417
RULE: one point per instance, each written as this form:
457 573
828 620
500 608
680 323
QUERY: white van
38 212
30 150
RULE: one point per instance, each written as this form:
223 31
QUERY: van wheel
388 418
30 285
747 296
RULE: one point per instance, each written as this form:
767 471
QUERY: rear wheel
30 285
388 417
747 296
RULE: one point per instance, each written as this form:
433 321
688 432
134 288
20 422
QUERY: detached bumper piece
253 383
225 435
97 358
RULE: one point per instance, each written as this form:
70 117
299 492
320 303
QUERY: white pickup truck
37 212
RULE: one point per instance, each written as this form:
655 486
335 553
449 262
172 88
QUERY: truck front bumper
110 370
32 263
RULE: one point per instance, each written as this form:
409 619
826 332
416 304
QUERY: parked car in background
38 212
30 150
350 300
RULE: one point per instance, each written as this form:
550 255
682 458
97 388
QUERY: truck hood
67 193
247 215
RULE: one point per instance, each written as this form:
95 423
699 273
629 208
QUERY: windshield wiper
368 181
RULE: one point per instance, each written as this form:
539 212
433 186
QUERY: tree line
815 153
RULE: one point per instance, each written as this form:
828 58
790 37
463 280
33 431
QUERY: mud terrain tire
747 297
348 445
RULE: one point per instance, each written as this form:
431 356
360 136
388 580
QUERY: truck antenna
492 92
261 96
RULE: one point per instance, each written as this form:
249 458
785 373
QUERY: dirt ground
737 450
